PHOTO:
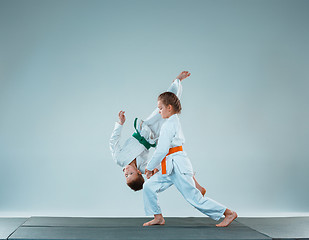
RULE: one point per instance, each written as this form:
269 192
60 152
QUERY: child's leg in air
199 187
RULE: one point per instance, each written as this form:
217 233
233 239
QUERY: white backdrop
68 67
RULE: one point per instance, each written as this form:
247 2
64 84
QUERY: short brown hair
137 183
169 98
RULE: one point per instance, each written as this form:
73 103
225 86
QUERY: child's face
130 173
165 111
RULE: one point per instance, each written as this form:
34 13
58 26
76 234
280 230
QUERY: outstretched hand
122 117
183 75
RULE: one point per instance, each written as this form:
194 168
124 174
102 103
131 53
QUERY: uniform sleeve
114 140
166 135
176 88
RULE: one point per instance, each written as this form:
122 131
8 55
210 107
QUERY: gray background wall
68 67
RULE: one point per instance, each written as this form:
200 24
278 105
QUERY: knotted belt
171 151
141 139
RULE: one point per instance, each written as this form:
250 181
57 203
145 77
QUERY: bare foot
230 216
203 191
158 220
154 222
199 187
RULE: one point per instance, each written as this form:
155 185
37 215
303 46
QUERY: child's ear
170 107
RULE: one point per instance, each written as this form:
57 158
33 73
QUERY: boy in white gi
133 155
176 169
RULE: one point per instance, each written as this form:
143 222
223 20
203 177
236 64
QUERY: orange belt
171 151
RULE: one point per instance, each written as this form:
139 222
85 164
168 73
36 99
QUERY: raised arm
155 121
114 139
176 86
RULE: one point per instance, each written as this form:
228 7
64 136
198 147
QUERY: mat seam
16 229
255 230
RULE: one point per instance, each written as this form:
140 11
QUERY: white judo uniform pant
186 186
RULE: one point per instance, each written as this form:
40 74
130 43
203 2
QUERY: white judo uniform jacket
149 129
171 136
179 172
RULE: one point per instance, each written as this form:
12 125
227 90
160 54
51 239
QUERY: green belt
141 139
